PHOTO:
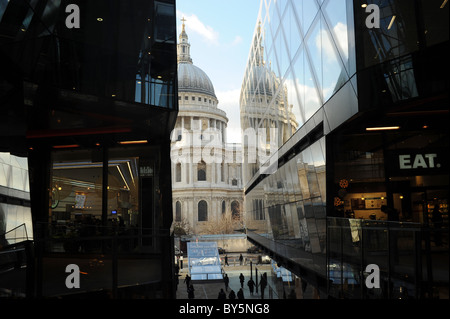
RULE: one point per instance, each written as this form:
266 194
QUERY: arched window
178 211
178 172
202 211
201 171
235 210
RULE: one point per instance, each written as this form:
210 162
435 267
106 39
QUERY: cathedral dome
193 79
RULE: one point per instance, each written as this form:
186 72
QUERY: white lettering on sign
73 19
373 19
73 280
418 161
373 279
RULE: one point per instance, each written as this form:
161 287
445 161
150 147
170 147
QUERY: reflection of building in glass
206 171
266 115
87 113
371 107
15 214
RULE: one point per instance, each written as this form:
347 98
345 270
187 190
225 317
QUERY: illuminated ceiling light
392 21
425 126
123 177
443 4
66 146
383 128
133 142
99 19
113 95
159 77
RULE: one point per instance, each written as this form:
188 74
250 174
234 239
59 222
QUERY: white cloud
195 25
324 42
237 40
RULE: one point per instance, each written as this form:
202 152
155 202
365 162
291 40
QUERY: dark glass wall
387 177
121 50
403 59
93 90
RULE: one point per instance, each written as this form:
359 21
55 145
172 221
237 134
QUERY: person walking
226 260
226 280
232 295
240 294
251 286
242 279
263 284
190 292
222 294
241 258
187 280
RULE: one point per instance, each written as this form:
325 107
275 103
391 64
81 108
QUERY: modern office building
88 100
206 170
357 92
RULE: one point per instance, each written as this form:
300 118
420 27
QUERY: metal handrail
26 238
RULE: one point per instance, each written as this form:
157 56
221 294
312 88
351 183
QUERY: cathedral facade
206 170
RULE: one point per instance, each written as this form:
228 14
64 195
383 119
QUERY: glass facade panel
146 72
322 65
15 213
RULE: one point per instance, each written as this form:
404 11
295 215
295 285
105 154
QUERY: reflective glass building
88 99
345 144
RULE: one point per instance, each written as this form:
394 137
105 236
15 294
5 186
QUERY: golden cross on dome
183 20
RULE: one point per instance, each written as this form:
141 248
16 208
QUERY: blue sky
220 34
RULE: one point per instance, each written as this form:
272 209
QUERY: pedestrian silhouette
191 292
187 280
222 295
226 280
241 259
232 295
251 286
240 294
242 279
263 284
226 260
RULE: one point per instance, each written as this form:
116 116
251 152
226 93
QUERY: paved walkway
210 289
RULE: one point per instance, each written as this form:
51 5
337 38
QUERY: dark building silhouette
92 109
371 105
